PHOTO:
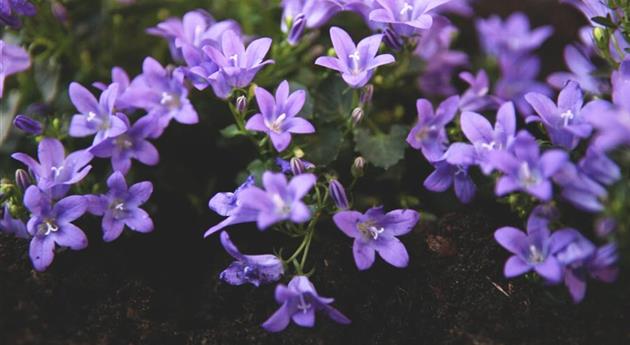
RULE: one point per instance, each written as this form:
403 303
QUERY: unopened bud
338 194
241 104
297 29
366 94
357 115
358 167
22 179
297 166
27 125
59 11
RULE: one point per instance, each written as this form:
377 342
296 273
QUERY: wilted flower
429 134
253 269
299 302
377 231
14 59
230 205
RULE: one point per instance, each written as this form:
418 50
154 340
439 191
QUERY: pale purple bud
297 29
23 179
297 166
241 104
59 11
358 166
27 125
338 194
357 115
392 40
367 93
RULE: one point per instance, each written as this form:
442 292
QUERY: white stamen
527 176
56 170
375 232
535 255
276 125
567 116
489 146
50 227
234 59
91 116
406 8
120 207
356 58
303 306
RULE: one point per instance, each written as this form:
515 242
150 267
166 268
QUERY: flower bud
357 115
59 11
338 194
367 93
241 104
22 179
392 39
27 125
297 29
358 166
297 166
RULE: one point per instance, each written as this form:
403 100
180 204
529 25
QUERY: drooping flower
581 70
407 18
120 207
132 144
279 201
278 117
230 205
429 134
564 122
299 302
526 169
253 269
13 59
377 231
446 175
237 66
55 171
10 10
356 63
12 226
162 94
534 250
51 224
96 117
476 97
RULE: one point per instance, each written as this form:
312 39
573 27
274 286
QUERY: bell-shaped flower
429 134
581 70
407 17
446 175
13 59
230 205
252 269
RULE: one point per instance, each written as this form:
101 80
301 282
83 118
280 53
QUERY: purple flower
230 205
429 134
612 123
580 189
253 269
476 97
376 231
534 250
407 18
286 167
484 138
28 125
120 77
12 226
11 9
525 169
512 36
620 80
50 224
519 78
237 66
96 117
315 12
582 71
278 117
162 94
120 206
447 175
599 167
356 63
280 200
55 171
131 144
13 59
299 302
338 194
564 122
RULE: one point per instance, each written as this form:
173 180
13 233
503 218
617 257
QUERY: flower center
118 208
426 132
535 255
355 58
276 125
527 176
303 306
370 230
567 116
170 100
281 206
48 226
490 146
124 142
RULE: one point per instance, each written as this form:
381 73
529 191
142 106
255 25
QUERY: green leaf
257 168
231 131
333 100
323 147
382 150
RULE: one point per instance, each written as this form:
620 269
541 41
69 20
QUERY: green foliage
382 149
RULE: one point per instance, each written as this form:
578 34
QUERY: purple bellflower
162 94
526 169
230 205
315 12
429 134
534 250
407 18
13 59
484 138
299 302
376 231
280 200
237 66
50 224
253 269
96 117
564 122
12 226
446 175
512 36
356 63
580 189
10 10
131 144
476 97
599 167
120 77
519 78
120 207
278 117
581 70
55 171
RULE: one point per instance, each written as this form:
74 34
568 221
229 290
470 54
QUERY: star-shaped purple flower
512 36
278 117
131 144
581 70
356 63
280 200
51 224
299 302
252 269
96 117
120 207
376 231
476 97
13 59
230 205
407 17
446 175
429 134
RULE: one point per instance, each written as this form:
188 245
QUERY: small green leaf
231 131
257 168
382 150
324 147
333 100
